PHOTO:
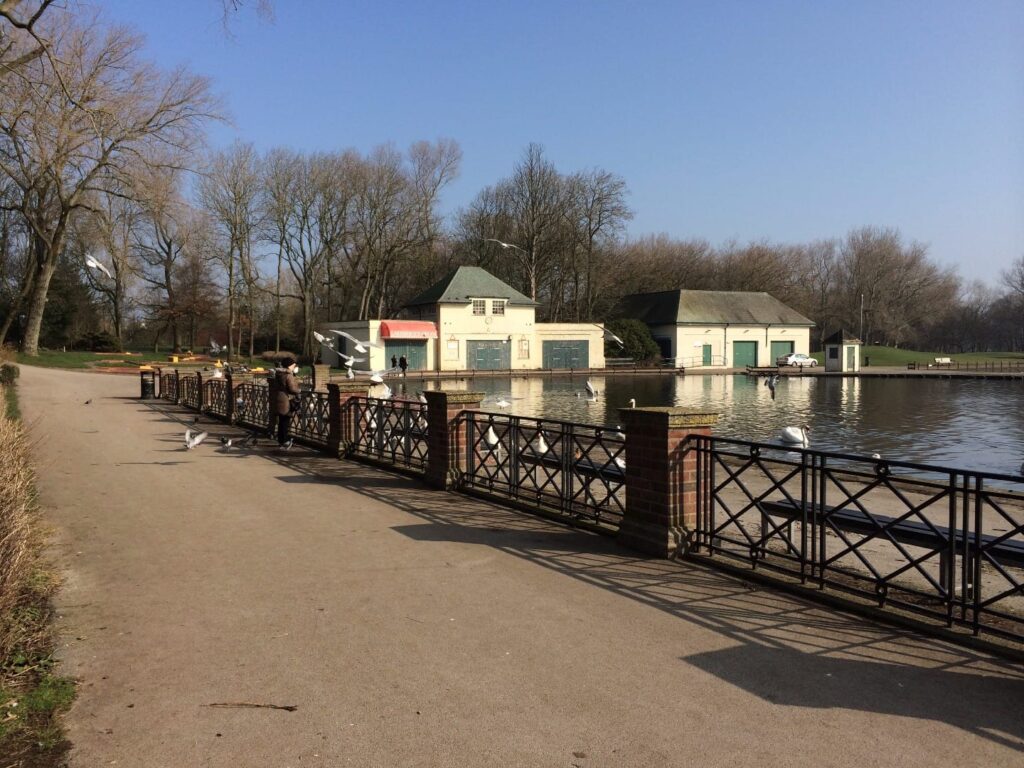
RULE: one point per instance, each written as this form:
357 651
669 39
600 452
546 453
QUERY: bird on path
192 439
88 401
795 435
361 346
227 442
93 264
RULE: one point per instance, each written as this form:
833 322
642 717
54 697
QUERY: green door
780 348
744 353
415 352
851 358
706 357
488 355
566 354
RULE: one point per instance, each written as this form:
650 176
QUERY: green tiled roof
709 308
465 283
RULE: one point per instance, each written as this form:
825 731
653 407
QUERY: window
497 307
524 349
833 353
479 306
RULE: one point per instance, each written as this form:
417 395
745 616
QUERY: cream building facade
719 329
471 320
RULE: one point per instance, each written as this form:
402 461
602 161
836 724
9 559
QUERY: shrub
8 373
17 506
636 338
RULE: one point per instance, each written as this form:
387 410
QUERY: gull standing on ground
93 264
361 346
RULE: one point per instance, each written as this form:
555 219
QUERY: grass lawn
889 356
54 359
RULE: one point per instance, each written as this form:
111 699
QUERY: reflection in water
970 423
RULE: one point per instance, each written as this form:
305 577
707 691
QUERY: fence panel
169 387
942 542
215 397
189 394
393 431
575 470
252 405
309 422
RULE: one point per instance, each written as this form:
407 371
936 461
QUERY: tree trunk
37 306
17 304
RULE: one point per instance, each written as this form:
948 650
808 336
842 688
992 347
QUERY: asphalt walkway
411 627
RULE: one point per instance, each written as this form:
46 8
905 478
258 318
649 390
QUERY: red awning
408 329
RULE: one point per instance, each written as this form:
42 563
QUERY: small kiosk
842 353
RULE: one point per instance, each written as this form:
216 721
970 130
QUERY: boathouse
471 320
719 329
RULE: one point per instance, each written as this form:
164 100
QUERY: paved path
416 628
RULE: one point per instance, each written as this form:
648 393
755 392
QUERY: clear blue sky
729 120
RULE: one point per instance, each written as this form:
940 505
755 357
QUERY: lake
968 423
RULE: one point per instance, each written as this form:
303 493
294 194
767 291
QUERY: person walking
286 393
394 361
403 364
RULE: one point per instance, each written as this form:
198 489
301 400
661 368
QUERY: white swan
632 403
590 389
542 444
796 435
491 437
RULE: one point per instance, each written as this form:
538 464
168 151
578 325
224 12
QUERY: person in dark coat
403 364
286 393
394 361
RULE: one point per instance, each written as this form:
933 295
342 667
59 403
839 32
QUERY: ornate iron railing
189 391
215 397
946 543
252 405
575 470
309 421
393 431
169 387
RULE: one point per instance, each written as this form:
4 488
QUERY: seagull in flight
215 348
192 439
361 346
349 360
91 263
329 343
503 244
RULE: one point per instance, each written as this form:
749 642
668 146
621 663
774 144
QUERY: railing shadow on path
787 650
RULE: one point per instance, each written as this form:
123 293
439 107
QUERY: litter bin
148 385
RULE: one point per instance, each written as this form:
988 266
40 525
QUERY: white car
798 359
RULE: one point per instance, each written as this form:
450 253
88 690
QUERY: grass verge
32 696
890 356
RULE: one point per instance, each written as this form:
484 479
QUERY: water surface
969 423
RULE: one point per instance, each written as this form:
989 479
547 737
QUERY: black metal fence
1008 366
169 387
575 470
939 541
215 397
188 391
252 404
309 423
391 431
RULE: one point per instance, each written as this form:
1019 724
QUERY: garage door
415 352
488 355
744 353
780 348
566 354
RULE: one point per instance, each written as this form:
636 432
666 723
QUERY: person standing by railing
286 394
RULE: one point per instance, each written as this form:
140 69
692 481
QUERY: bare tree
230 191
75 122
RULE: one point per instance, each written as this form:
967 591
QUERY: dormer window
479 306
498 307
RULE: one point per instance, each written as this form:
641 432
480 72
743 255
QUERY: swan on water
590 389
795 435
632 403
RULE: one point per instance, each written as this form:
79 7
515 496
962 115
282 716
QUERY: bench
940 361
913 533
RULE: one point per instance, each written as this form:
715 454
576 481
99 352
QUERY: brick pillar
321 376
340 433
661 475
446 442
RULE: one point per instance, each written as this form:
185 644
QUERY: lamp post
861 334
